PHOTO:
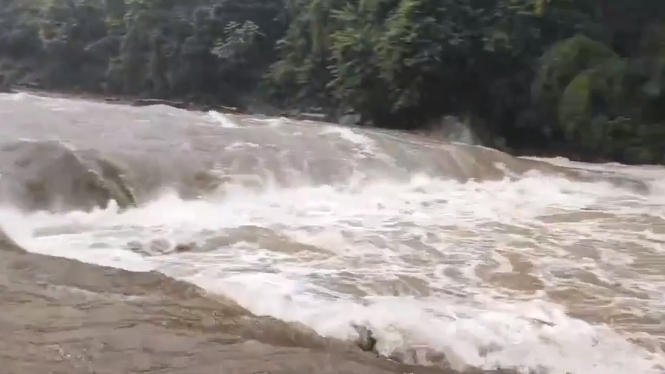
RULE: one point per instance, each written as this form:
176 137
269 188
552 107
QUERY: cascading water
493 261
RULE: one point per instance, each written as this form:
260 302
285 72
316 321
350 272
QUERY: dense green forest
573 77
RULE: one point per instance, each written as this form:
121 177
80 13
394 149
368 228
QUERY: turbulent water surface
440 249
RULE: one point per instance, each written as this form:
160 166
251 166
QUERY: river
538 265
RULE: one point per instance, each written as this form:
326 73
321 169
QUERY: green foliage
148 47
383 58
563 61
606 103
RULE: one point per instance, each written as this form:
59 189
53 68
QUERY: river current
540 265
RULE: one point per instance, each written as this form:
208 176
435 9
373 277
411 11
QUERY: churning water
494 261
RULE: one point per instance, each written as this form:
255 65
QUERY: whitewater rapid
539 271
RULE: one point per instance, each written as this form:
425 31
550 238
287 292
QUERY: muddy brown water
156 240
63 316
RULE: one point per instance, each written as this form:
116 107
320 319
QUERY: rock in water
49 175
415 355
366 340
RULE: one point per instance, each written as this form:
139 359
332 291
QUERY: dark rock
420 355
417 356
366 340
50 175
185 247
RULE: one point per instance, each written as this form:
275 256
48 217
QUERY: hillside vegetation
572 77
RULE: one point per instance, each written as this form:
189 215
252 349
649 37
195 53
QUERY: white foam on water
340 256
270 121
20 96
503 330
222 120
353 135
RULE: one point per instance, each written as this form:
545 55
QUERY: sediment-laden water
210 242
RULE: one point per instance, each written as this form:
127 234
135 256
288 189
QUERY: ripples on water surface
497 261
